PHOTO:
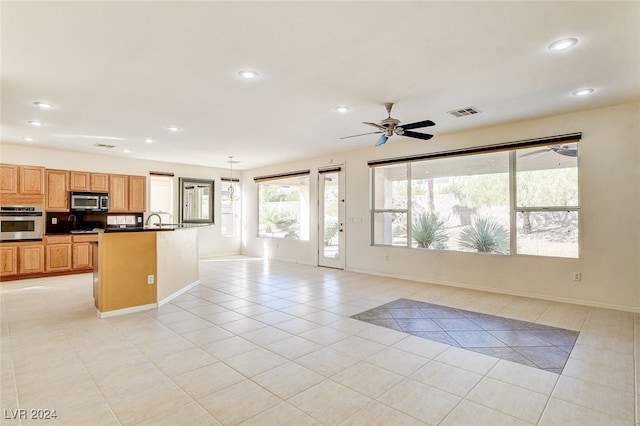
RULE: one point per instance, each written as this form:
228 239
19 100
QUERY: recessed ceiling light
583 92
173 128
43 105
147 140
342 109
27 139
563 44
248 74
34 123
126 151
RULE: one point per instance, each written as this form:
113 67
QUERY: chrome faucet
72 219
150 216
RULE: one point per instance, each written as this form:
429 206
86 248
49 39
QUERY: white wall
210 241
609 167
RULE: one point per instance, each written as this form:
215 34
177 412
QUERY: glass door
331 217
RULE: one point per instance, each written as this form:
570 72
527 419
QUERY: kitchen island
141 269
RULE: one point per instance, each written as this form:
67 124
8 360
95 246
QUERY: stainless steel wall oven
20 223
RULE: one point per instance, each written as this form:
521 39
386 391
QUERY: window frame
259 180
514 209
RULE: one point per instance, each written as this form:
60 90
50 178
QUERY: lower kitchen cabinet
58 253
31 259
21 259
8 260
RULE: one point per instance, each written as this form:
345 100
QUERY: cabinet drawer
57 239
85 238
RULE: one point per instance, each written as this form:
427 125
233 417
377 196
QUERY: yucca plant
485 235
429 232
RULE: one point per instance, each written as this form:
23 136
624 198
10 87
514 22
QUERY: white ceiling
118 72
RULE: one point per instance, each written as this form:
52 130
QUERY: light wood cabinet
8 179
127 194
31 259
8 260
31 180
58 253
82 258
22 184
118 193
99 182
21 258
83 251
137 190
79 181
57 195
86 181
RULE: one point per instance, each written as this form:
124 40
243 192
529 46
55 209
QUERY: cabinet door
137 190
58 257
99 182
79 181
8 260
118 193
82 256
8 179
31 180
57 196
31 259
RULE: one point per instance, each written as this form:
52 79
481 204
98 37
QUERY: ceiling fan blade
361 134
382 140
569 152
368 123
418 124
417 135
537 151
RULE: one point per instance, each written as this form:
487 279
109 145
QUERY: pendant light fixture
231 196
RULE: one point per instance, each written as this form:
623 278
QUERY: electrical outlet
54 220
577 276
150 279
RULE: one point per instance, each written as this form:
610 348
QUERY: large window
161 196
283 207
547 201
517 201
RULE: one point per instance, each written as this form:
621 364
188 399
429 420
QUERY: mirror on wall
196 200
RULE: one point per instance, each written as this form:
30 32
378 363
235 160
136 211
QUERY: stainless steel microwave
89 201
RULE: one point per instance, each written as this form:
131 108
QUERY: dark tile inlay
527 343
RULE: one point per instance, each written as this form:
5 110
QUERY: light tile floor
272 343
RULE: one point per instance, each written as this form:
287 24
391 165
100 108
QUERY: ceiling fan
390 126
566 150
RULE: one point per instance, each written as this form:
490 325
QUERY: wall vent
104 145
463 112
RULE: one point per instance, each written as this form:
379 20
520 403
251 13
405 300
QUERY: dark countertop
151 228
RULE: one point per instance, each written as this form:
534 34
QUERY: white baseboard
505 291
126 310
177 293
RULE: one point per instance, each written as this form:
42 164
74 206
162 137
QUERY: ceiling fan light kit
390 126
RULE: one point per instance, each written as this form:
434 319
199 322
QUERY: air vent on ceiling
463 112
103 145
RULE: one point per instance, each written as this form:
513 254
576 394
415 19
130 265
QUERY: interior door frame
340 262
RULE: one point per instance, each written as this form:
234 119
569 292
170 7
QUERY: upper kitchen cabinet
57 195
8 179
99 182
22 184
127 193
118 193
137 191
90 182
31 181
